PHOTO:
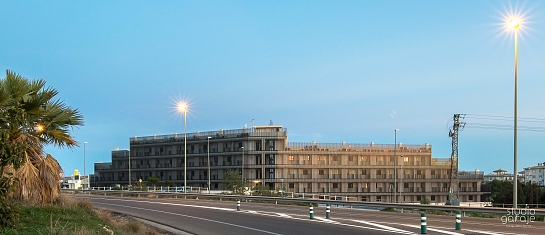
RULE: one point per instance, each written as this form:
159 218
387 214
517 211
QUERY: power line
503 127
495 122
504 118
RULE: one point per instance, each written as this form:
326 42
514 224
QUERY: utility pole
454 191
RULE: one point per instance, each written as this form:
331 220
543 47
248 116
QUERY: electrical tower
454 191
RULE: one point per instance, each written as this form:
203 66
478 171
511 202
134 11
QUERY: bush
9 214
425 201
389 209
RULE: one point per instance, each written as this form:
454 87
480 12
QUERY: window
350 185
351 158
291 158
305 172
309 185
308 157
364 172
379 198
379 172
432 198
335 158
292 185
470 197
321 172
335 185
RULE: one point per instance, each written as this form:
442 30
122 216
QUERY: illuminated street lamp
515 24
182 107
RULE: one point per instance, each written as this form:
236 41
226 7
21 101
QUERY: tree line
501 192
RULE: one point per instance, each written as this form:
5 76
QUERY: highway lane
215 217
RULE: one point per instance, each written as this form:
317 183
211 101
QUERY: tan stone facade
363 172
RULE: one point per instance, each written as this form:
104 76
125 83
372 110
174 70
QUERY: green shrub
9 214
425 201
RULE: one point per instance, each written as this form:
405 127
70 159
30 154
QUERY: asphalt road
189 216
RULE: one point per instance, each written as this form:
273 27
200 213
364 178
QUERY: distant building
363 172
498 175
535 174
75 181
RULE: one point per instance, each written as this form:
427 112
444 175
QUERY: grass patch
389 209
67 216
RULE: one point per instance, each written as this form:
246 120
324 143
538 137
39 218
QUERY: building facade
498 174
535 174
362 172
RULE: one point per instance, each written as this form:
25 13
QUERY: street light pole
84 144
515 24
395 165
242 172
208 151
401 181
183 107
130 184
185 149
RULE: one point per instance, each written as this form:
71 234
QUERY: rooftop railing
245 132
313 146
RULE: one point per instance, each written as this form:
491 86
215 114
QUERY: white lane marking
433 229
283 215
175 204
318 221
193 217
327 220
252 212
384 227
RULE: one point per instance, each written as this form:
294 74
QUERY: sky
328 71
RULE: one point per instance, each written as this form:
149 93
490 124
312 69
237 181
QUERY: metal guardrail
494 210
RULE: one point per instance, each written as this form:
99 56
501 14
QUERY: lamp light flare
39 128
514 23
182 107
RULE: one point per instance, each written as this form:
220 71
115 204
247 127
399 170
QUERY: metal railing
245 132
315 198
313 146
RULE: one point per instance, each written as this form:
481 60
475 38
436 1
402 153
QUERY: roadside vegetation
501 193
67 216
31 117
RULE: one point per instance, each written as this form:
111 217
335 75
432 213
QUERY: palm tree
30 118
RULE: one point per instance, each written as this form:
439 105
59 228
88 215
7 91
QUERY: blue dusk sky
328 71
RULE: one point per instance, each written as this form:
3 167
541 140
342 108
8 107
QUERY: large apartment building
356 171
